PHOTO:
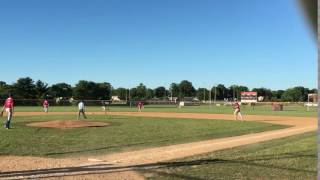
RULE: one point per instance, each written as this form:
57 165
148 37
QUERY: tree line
27 88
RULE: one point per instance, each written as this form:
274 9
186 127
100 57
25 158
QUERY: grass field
288 158
291 110
125 133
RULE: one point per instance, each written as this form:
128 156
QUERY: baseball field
161 142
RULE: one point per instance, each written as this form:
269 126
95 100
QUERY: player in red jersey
140 106
45 105
237 111
9 108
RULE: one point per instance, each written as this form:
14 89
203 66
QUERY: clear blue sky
249 42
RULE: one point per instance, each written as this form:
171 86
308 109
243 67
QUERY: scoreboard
249 97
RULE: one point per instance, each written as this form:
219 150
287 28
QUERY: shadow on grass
105 168
203 137
103 148
164 141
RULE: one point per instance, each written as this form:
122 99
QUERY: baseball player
140 106
81 110
237 112
45 106
104 107
9 108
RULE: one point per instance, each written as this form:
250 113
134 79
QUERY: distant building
115 99
173 99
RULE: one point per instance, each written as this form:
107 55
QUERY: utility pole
126 95
165 93
204 94
130 98
210 97
233 92
215 94
171 95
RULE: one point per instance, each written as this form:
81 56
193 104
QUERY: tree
292 94
84 90
133 94
24 88
122 93
3 84
186 89
276 95
141 92
296 94
221 90
150 94
4 89
174 90
240 89
41 89
114 92
203 94
304 93
160 92
60 90
91 90
167 94
231 92
102 91
314 91
266 93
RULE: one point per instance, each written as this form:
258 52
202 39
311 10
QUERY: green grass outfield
124 133
288 158
290 110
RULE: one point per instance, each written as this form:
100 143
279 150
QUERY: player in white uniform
81 110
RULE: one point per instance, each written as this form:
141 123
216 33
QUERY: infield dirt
67 124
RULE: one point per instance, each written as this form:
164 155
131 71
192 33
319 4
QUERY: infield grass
288 158
124 134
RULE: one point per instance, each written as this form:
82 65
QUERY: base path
123 165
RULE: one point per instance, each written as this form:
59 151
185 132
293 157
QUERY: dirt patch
65 124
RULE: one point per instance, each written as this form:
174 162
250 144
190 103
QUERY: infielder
103 106
237 112
45 106
9 108
140 106
81 110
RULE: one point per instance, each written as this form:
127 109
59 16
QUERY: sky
254 43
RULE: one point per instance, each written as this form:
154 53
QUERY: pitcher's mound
62 124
